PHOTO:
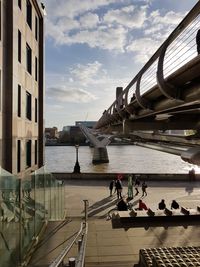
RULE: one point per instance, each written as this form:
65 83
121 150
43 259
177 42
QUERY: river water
125 159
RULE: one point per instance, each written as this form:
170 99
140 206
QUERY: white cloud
89 20
63 94
54 107
87 74
66 24
107 38
129 16
156 30
80 22
144 48
160 26
170 18
74 7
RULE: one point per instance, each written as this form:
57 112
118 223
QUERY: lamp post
77 166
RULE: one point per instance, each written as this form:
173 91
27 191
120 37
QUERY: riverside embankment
109 176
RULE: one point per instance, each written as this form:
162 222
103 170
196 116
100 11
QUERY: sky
94 46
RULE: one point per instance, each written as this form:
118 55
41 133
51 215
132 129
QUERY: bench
159 217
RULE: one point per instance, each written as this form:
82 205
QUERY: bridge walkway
168 84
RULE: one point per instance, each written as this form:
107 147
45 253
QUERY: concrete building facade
21 86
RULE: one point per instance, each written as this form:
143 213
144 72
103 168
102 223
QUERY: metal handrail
81 259
84 226
64 252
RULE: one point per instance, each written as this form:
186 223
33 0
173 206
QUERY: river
128 159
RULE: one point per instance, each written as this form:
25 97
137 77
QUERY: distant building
88 124
21 86
66 128
75 133
51 133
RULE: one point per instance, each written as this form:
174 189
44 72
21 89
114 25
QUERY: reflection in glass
25 206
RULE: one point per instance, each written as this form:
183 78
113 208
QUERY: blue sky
93 46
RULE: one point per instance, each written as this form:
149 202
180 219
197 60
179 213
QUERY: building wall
1 2
17 127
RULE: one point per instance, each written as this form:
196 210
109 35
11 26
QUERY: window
28 105
36 109
29 13
36 68
36 28
28 58
20 4
19 101
36 151
28 153
19 45
18 155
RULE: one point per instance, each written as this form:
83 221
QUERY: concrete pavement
119 247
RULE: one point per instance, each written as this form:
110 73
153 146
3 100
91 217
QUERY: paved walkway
118 247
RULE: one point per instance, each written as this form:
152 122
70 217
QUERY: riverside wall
110 176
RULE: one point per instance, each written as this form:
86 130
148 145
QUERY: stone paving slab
106 244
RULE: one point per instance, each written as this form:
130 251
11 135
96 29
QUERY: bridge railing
178 49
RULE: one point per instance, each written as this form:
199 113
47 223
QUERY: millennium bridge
165 94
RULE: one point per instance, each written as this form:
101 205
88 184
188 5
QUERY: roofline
38 7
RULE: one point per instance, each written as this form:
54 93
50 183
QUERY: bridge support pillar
100 155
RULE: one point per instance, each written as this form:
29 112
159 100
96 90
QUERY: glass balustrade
25 206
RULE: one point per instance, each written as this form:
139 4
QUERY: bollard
72 262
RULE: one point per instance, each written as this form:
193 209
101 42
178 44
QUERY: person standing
119 188
111 187
144 187
130 187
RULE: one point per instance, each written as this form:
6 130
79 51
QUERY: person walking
137 183
111 187
115 182
119 188
144 187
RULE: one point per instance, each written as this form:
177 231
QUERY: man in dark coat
111 187
119 188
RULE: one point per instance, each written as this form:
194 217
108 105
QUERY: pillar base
100 155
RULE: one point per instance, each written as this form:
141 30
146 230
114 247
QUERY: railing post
86 204
79 244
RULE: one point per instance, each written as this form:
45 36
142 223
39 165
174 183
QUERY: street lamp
77 166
